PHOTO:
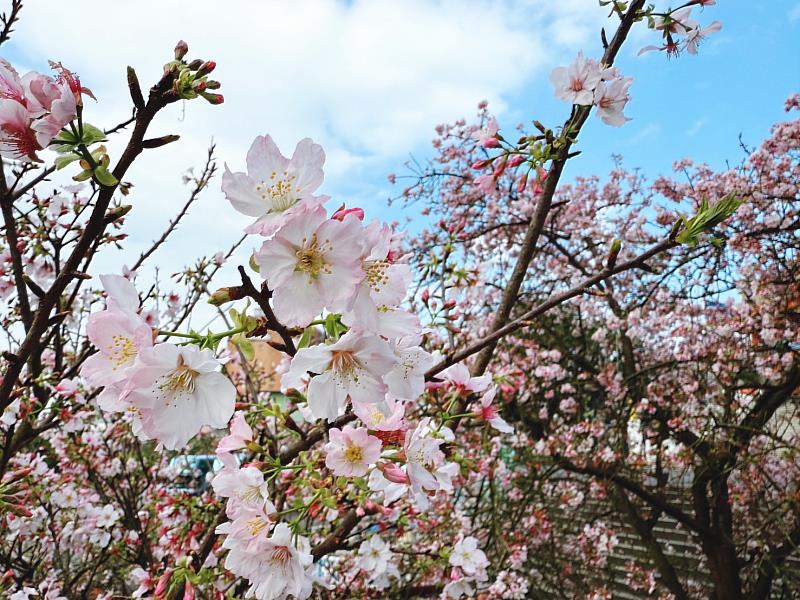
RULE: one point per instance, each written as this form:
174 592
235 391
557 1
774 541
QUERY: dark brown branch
524 320
527 250
9 20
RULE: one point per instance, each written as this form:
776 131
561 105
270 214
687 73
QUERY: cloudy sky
370 79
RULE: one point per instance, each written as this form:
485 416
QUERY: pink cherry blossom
239 436
352 367
459 377
179 389
486 136
576 83
611 98
351 451
246 489
275 188
310 263
488 412
276 565
118 333
384 283
386 415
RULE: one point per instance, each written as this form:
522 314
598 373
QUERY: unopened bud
482 164
515 161
19 510
163 583
253 264
199 85
213 98
206 68
181 48
188 591
613 253
15 476
212 84
523 182
195 64
340 214
501 167
394 473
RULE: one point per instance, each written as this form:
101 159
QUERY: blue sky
370 79
698 105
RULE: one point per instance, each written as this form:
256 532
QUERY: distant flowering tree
632 347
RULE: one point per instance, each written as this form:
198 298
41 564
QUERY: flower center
279 193
122 351
577 85
377 416
281 556
256 525
250 494
310 259
353 454
181 379
375 270
344 362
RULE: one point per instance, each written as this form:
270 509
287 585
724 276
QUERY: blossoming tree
545 348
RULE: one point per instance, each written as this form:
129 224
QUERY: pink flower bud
340 214
523 182
181 48
515 161
491 143
482 164
163 584
213 98
188 591
394 473
206 68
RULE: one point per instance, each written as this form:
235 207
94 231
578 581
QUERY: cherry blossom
611 98
488 412
576 83
178 390
467 556
351 451
275 188
352 367
309 264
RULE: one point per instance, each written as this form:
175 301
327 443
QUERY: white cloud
368 79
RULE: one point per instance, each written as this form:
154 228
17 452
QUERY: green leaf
83 176
707 217
67 137
246 347
92 134
63 161
305 338
104 177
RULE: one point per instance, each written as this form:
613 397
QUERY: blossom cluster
680 31
352 278
34 108
169 391
586 82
